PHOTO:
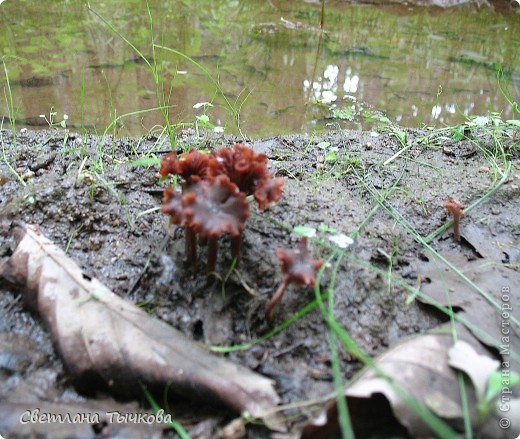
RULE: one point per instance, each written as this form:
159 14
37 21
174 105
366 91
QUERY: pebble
94 243
28 175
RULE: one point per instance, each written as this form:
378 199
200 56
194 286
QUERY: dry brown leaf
420 366
478 367
493 325
500 247
104 339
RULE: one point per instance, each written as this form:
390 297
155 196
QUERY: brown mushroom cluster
213 201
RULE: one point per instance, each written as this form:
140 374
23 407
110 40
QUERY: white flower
203 104
341 240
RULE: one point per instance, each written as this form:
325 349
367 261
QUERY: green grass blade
305 310
203 69
176 426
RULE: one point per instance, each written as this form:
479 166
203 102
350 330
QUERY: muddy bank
97 198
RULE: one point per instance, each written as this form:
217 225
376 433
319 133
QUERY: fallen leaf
105 340
418 365
501 248
478 367
494 324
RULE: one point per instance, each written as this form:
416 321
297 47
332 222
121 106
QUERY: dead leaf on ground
105 340
482 370
478 367
495 326
501 248
420 366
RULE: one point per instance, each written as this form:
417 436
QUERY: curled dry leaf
478 367
107 341
492 244
419 366
493 319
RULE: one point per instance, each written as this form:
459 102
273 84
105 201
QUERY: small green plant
203 121
345 113
335 162
371 116
174 425
330 151
401 136
51 119
154 65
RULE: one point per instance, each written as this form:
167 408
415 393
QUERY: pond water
277 70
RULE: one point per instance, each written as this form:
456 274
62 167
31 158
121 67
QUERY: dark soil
90 197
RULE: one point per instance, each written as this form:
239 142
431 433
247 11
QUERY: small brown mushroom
456 208
242 165
172 205
213 207
208 208
298 267
248 170
168 164
190 165
269 190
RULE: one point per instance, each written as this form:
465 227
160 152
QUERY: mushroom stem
212 255
456 233
269 308
236 246
191 246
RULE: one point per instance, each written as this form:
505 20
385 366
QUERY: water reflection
325 87
418 66
351 82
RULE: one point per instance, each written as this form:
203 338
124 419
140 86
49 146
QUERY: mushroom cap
455 207
187 165
248 170
172 205
215 206
242 165
168 164
298 266
268 191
